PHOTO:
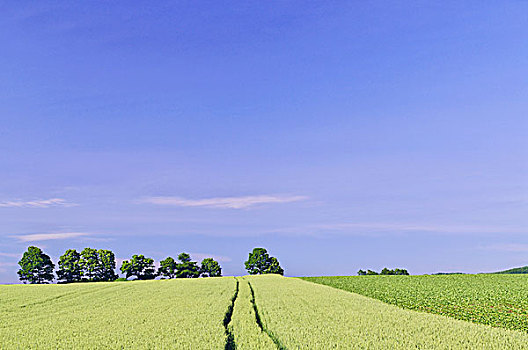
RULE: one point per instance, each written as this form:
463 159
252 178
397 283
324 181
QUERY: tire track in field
259 321
230 341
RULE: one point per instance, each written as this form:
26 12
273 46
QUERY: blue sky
339 135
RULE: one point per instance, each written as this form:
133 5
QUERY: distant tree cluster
260 262
385 271
89 265
92 265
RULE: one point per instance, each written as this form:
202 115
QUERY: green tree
401 272
35 266
370 272
167 268
362 273
90 264
139 266
187 268
274 267
259 262
386 271
210 268
69 267
106 265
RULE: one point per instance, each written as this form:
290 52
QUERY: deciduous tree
167 268
187 268
106 265
35 267
210 268
259 262
69 267
139 266
90 264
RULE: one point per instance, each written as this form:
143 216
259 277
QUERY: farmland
491 299
251 312
133 315
311 316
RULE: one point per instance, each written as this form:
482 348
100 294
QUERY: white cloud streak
200 256
391 228
37 237
224 202
4 264
42 203
507 247
417 227
10 255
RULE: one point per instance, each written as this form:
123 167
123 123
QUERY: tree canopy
385 271
35 267
106 265
70 269
90 264
260 262
187 268
167 268
97 265
210 268
139 266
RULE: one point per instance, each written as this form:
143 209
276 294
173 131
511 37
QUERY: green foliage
90 264
183 314
107 265
491 299
259 262
386 271
70 269
301 315
210 268
98 265
139 266
35 267
167 268
514 271
187 268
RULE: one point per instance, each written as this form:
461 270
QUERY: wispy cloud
36 237
201 256
10 255
506 247
41 203
390 228
5 264
416 227
224 202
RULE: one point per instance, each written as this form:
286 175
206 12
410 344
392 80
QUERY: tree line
92 265
385 271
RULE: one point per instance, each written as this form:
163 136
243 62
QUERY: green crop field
491 299
171 314
312 316
251 312
244 327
